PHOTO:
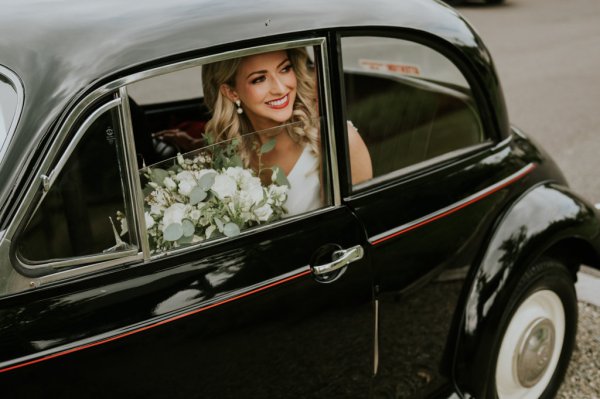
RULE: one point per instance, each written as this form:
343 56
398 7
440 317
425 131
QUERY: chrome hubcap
535 351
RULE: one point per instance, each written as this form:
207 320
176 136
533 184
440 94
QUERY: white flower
235 173
264 212
244 200
149 220
186 182
277 194
170 184
195 215
156 209
173 214
224 186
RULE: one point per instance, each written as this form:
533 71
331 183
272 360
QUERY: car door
284 309
436 186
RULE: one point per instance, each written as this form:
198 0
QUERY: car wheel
537 334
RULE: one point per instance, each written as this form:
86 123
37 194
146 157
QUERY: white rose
149 220
256 193
173 214
186 182
244 201
224 186
156 209
186 187
170 184
195 215
235 173
264 212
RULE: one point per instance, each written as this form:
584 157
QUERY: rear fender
546 218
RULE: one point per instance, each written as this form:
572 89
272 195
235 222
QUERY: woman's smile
279 103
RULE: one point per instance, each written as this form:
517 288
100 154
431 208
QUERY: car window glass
409 103
8 106
228 146
84 211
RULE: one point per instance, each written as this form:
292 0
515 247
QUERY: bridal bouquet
206 195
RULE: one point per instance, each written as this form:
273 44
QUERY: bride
274 95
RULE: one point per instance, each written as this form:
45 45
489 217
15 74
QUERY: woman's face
266 86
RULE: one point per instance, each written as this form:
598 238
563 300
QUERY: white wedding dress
305 186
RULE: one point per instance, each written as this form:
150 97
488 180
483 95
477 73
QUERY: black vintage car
448 273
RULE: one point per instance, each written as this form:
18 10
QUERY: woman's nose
277 86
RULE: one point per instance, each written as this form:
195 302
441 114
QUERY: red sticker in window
390 67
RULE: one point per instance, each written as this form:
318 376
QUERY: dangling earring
239 107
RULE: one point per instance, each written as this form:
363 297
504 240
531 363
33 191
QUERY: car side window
229 145
409 103
85 206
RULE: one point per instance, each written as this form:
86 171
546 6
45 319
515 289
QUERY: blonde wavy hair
226 124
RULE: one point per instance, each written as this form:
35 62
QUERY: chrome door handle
342 258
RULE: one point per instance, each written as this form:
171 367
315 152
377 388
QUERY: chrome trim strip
123 257
503 143
143 326
75 141
333 158
376 239
18 86
211 58
133 176
61 264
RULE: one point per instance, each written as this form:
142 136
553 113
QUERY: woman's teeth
281 101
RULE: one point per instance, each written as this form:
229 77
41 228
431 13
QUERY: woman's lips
279 103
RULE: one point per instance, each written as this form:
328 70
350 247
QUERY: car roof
60 49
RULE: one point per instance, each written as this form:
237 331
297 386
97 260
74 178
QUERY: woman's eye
258 80
287 68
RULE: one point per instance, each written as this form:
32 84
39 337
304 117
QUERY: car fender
545 218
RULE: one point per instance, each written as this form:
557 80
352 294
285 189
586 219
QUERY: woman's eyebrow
265 71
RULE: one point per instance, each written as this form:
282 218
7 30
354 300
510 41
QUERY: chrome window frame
12 281
47 181
20 91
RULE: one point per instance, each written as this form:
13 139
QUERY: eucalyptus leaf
236 161
188 228
207 180
185 240
197 195
173 232
209 231
231 229
159 175
280 178
268 146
